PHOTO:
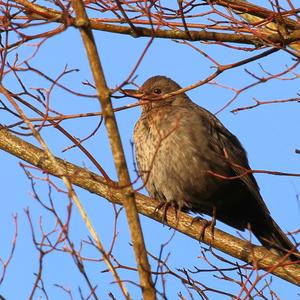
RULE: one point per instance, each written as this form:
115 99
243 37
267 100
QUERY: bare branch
243 250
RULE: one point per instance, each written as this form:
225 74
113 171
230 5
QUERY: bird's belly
183 177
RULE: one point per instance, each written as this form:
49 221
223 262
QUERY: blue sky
269 133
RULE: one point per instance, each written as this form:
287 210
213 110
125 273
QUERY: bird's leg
213 222
206 224
165 206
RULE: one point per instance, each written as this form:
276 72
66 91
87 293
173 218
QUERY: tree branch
257 256
128 198
35 11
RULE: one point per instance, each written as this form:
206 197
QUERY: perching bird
186 156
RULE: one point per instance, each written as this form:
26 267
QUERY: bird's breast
172 156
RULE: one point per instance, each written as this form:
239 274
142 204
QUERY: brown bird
186 156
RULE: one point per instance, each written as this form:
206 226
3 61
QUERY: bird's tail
272 237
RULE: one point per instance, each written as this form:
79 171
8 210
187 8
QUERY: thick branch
35 11
91 182
249 8
272 22
128 199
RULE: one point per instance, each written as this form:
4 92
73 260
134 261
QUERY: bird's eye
157 91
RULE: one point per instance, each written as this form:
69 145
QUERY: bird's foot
206 224
165 206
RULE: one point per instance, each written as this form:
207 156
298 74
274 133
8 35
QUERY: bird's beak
133 93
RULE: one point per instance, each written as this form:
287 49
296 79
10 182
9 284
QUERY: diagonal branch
249 9
272 22
243 250
59 169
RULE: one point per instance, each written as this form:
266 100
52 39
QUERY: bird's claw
165 206
205 224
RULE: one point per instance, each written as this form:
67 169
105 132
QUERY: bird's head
155 93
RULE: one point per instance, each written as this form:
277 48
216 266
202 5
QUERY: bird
187 158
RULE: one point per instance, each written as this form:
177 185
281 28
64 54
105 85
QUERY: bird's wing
233 151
